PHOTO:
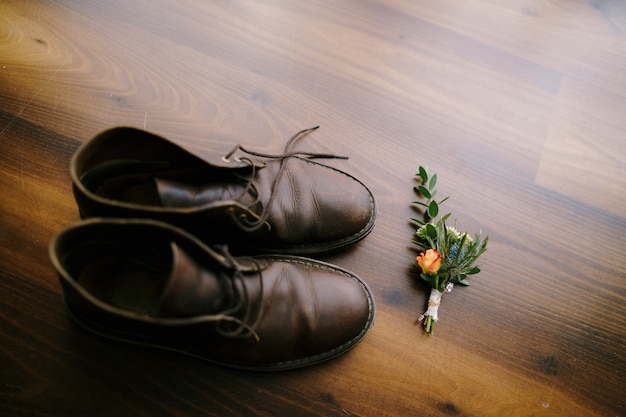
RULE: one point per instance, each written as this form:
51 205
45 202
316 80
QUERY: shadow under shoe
284 203
150 283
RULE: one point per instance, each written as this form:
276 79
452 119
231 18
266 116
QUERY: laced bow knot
259 220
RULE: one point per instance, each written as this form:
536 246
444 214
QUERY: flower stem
430 316
429 325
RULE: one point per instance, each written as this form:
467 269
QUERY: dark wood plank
517 105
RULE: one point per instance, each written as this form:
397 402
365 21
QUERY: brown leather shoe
147 282
283 203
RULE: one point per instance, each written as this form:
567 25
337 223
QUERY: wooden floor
519 106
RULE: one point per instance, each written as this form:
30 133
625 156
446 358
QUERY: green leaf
473 271
421 203
431 232
421 245
432 182
445 217
464 282
433 209
426 278
443 200
423 174
424 191
418 221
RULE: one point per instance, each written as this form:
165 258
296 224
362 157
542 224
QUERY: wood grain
517 105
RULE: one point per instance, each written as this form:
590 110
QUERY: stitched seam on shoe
338 243
369 196
370 317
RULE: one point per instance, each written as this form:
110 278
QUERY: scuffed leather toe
317 208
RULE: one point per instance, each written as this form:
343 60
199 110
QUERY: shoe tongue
179 194
191 290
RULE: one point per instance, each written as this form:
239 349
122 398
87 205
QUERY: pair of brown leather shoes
152 266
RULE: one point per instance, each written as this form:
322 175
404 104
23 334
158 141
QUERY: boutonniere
447 256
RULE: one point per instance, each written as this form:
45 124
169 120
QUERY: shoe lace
240 303
244 222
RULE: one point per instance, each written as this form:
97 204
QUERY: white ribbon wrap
433 304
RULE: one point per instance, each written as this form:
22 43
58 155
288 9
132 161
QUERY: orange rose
430 262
